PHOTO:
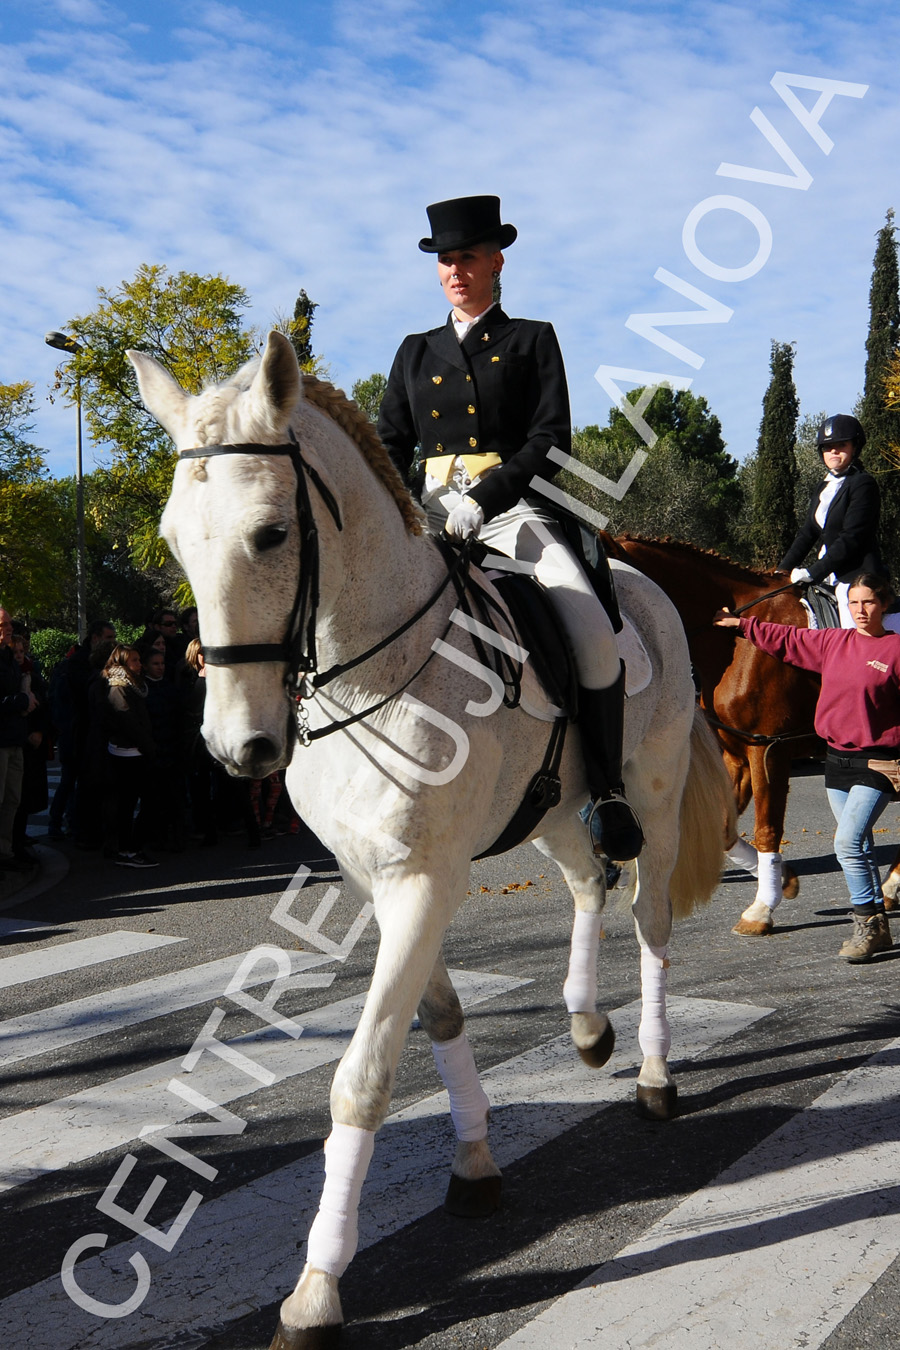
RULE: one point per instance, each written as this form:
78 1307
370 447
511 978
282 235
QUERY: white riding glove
465 520
800 574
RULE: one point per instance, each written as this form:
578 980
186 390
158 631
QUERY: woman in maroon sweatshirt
858 716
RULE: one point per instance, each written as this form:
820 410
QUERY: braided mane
739 571
345 413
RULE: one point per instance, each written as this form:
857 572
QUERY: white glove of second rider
465 520
800 574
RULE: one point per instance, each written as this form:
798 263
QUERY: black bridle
298 647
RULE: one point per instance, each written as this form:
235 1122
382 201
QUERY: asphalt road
767 1213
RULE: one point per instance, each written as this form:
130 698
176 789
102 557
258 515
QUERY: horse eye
270 536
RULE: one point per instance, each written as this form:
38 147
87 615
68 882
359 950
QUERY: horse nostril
261 750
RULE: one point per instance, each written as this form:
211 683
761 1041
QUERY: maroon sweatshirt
859 706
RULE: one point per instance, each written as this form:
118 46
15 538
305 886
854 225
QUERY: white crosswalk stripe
65 956
39 1033
774 1253
75 1128
536 1096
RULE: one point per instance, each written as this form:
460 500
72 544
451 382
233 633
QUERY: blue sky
290 144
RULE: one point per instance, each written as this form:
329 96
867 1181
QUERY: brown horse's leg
770 779
891 885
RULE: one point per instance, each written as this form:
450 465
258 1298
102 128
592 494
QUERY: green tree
368 393
37 568
192 324
299 330
687 487
20 461
773 513
879 416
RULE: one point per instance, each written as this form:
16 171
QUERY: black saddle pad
542 635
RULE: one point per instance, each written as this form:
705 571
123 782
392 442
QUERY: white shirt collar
462 326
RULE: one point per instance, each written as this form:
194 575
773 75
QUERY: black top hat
463 221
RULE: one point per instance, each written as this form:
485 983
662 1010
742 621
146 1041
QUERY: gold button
468 379
436 379
471 407
495 358
439 449
472 442
435 413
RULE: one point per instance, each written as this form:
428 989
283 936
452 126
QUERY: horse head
231 521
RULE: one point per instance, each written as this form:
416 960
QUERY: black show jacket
502 390
849 532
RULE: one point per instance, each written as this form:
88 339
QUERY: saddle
820 603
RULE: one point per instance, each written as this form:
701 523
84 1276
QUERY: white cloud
290 146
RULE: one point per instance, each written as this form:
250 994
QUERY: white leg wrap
469 1103
335 1231
769 879
744 856
654 1036
580 988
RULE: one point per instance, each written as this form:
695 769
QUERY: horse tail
708 822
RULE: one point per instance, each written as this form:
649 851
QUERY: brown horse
761 709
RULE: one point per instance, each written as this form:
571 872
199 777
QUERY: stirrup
615 828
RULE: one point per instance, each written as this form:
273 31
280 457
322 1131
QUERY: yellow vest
441 466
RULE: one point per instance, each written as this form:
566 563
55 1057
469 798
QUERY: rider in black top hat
483 399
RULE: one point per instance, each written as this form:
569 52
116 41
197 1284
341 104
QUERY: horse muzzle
257 756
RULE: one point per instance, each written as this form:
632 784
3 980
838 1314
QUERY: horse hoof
753 927
891 902
790 882
306 1338
472 1199
596 1055
657 1103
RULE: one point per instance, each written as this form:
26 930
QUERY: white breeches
529 536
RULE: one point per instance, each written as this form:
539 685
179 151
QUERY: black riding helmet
839 428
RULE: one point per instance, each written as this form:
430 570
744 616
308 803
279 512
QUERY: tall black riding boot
614 825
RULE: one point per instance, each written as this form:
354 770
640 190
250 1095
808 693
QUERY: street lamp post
62 342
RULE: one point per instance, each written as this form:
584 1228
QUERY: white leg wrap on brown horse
744 856
769 879
335 1230
469 1104
654 1035
580 988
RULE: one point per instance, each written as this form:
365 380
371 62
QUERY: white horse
434 765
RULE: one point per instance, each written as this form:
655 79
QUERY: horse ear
277 385
162 395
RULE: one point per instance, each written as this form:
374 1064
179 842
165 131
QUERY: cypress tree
880 420
774 519
301 330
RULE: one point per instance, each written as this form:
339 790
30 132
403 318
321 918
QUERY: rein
760 598
298 647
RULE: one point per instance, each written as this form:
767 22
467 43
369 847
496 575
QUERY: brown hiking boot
870 935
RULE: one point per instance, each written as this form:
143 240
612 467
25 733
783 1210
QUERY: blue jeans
856 812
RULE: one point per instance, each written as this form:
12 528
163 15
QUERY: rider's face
837 457
467 276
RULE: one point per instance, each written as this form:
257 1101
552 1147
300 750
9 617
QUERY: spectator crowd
124 722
